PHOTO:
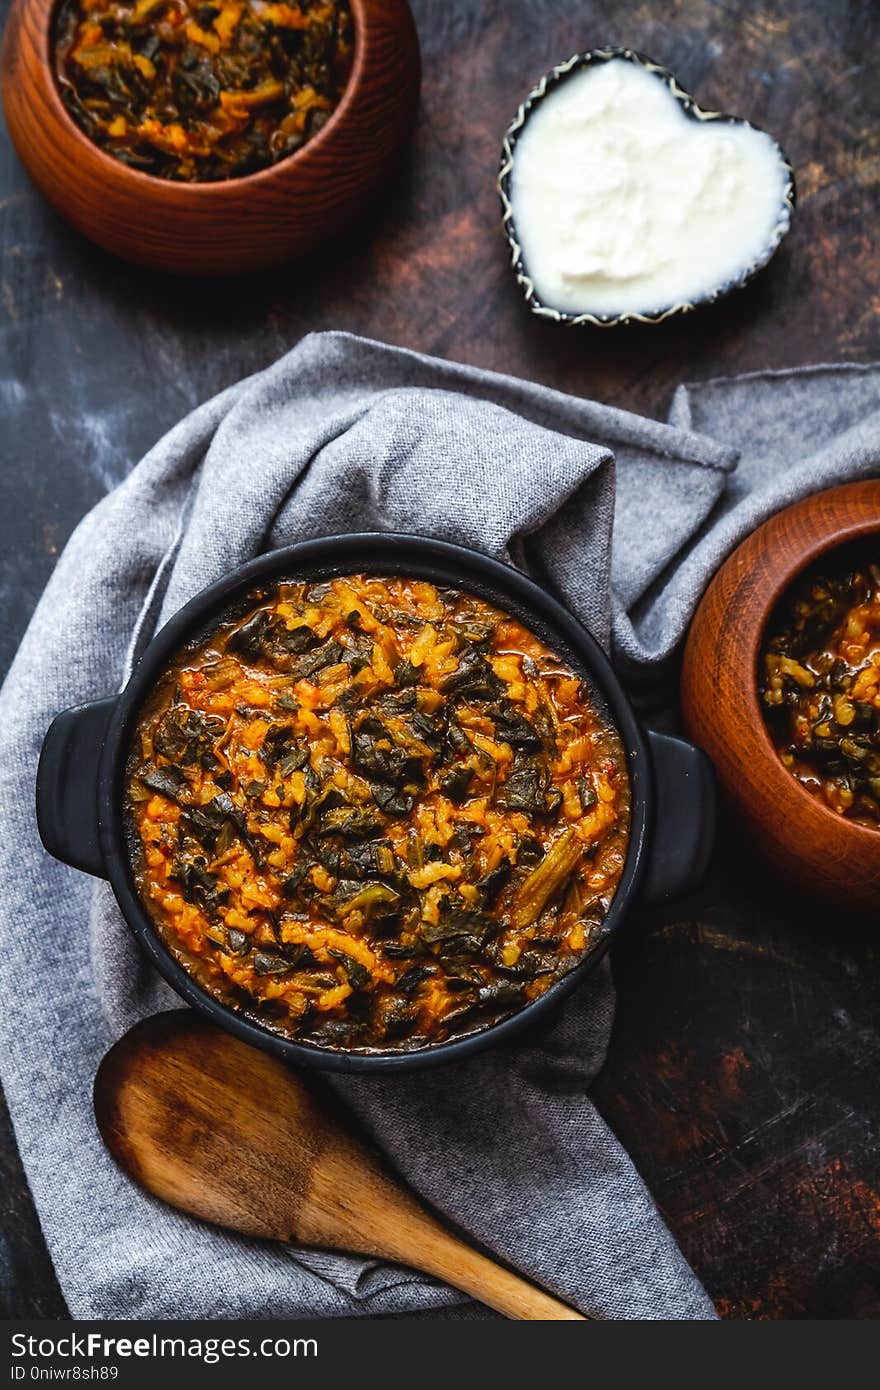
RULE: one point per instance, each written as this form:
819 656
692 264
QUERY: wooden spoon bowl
231 226
821 852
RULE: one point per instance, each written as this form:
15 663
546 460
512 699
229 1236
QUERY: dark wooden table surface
744 1073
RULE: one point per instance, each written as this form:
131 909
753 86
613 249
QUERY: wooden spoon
224 1132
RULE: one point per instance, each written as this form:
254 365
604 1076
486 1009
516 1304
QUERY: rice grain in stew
375 814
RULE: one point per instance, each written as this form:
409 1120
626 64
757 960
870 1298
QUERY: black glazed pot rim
547 83
377 553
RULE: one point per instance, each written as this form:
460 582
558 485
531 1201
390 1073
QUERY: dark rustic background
745 1069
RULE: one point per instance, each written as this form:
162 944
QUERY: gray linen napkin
627 518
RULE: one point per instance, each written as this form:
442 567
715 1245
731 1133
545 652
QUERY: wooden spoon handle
402 1230
386 1220
490 1283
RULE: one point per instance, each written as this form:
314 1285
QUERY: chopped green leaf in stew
200 92
820 686
376 814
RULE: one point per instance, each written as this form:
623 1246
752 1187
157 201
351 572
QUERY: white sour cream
622 203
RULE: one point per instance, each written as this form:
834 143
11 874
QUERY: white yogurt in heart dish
623 204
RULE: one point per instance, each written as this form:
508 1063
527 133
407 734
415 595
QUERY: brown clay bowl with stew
238 224
819 851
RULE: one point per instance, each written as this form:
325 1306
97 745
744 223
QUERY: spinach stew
199 92
820 684
374 814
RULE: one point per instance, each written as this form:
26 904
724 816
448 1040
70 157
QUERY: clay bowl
215 228
818 851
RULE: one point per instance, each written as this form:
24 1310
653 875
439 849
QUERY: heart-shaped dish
753 260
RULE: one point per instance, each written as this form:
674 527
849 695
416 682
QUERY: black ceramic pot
80 792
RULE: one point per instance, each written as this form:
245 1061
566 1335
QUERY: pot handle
684 825
67 785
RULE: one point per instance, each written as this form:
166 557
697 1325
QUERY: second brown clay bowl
231 226
820 852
